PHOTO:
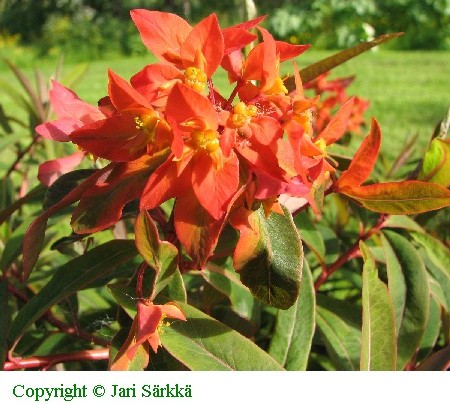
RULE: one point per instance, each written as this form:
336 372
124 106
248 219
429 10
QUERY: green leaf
6 140
339 324
436 163
5 320
29 89
378 343
175 289
202 343
315 70
229 284
294 330
415 315
269 258
438 252
432 331
35 234
162 256
437 293
13 246
396 282
125 297
310 234
35 194
71 277
403 222
440 360
399 198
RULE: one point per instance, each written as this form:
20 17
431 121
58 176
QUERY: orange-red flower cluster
169 133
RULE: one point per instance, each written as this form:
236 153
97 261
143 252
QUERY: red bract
214 155
148 324
133 128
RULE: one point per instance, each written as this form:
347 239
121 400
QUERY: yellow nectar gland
303 117
277 88
147 123
162 324
195 78
243 114
322 145
207 140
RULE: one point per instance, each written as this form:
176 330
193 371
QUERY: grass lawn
409 91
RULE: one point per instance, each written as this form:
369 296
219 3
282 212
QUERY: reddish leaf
214 187
34 236
101 205
116 138
338 124
51 170
122 95
196 229
67 104
364 160
207 38
60 129
165 183
400 198
162 33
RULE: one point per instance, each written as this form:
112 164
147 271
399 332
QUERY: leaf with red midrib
400 198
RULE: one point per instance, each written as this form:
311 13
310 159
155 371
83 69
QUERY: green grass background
409 91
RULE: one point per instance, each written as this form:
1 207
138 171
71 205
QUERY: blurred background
86 29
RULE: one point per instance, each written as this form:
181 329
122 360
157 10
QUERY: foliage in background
323 328
87 29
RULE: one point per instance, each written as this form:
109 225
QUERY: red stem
20 156
50 360
239 84
352 252
64 327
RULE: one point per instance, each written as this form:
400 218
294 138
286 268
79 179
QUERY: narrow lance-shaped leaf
339 324
71 277
294 330
5 320
202 343
415 315
315 70
440 360
396 282
310 235
228 283
364 160
378 343
34 236
162 256
438 252
269 256
399 198
431 332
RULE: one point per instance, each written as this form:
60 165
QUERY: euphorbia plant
200 174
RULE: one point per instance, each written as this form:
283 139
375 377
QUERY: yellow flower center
303 117
322 145
243 114
195 78
277 88
206 140
147 123
162 324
